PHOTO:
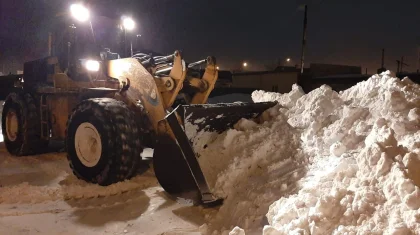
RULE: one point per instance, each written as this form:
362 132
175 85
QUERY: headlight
128 23
92 65
79 12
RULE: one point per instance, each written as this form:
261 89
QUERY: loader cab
76 43
102 37
79 49
76 53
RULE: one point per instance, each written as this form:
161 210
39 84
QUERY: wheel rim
12 125
88 144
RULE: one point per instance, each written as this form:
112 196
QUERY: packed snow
245 166
364 151
40 195
322 163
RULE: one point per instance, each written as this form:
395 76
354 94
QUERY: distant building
338 77
224 80
338 82
320 70
277 81
282 78
415 77
287 69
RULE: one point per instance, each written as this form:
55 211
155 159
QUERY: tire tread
123 137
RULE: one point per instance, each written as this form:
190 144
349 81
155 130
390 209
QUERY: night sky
350 32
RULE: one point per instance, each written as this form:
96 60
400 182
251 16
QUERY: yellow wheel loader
107 109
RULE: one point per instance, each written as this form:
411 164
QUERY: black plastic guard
220 117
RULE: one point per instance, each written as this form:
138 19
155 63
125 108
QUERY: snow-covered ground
39 195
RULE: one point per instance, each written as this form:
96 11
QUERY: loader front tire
21 125
102 141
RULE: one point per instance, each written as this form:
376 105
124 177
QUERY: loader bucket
175 159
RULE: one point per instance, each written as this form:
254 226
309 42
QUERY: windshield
102 35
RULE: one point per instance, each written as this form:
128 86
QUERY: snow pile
338 163
251 166
364 151
287 100
237 231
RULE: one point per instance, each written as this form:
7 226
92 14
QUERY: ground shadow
190 197
169 201
99 211
191 214
42 170
37 178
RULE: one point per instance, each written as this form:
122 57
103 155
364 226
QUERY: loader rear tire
21 125
102 141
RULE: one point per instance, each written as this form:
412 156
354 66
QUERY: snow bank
338 163
250 166
364 149
287 100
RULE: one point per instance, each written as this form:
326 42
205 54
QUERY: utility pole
139 47
383 58
125 41
402 64
131 47
50 44
382 68
418 59
305 24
